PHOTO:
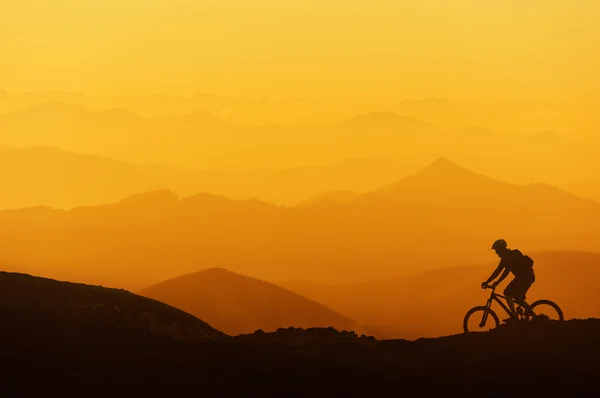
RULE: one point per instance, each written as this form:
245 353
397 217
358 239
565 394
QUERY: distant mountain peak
443 166
442 172
443 163
445 170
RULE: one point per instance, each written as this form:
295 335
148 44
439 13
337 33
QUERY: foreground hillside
237 304
36 309
47 353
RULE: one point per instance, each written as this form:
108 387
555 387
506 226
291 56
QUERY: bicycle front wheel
480 319
546 309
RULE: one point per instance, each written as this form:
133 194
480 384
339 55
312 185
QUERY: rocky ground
49 349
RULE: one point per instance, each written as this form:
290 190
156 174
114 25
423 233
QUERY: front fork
485 314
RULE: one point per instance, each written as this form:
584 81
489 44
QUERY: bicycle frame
496 297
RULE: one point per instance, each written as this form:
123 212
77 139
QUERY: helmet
499 244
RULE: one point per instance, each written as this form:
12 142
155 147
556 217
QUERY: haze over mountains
57 178
443 215
200 140
571 118
294 188
358 209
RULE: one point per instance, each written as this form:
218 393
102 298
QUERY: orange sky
494 49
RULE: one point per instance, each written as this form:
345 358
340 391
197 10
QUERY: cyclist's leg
510 292
525 283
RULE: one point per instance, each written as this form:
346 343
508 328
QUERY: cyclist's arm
503 276
496 273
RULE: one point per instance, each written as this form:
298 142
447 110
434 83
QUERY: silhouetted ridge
37 307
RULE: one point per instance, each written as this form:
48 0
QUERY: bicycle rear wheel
480 319
546 309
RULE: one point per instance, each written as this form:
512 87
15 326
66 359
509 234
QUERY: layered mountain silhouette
198 139
58 178
49 176
441 216
237 304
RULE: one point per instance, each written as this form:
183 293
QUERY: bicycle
522 314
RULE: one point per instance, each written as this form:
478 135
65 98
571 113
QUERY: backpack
525 265
528 262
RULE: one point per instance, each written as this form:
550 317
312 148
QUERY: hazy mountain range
576 118
58 178
201 140
442 215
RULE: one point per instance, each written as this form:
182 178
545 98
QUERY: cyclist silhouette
522 268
